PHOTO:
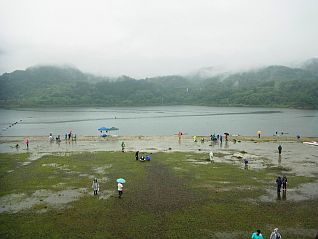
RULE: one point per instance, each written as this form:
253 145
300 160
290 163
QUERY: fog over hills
273 86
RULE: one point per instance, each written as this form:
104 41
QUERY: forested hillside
274 86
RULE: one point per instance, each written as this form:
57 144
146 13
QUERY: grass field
175 195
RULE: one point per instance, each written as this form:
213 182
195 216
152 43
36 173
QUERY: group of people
95 187
213 138
67 136
281 182
274 235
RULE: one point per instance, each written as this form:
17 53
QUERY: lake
161 120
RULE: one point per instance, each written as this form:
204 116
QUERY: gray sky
156 37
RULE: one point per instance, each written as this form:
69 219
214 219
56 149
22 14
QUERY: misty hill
274 86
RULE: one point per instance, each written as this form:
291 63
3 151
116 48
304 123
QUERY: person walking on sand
275 234
257 235
279 183
280 149
120 189
284 182
95 186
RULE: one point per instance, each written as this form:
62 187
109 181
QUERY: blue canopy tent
106 133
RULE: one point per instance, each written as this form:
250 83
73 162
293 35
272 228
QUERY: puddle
102 170
105 194
304 192
14 203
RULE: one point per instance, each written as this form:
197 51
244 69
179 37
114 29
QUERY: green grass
168 197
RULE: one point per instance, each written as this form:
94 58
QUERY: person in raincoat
279 183
194 138
275 234
284 182
257 235
95 186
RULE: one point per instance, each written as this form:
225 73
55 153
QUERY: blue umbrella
103 129
120 180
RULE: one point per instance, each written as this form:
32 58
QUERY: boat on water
311 143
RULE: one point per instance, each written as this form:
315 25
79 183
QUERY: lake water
161 120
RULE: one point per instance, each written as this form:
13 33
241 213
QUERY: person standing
179 135
122 146
95 186
120 189
245 163
284 182
279 183
27 143
257 235
211 156
275 234
137 155
280 149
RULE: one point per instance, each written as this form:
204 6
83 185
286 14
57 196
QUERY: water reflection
278 196
279 159
284 195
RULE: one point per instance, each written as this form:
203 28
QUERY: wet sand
297 158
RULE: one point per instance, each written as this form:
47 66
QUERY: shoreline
298 158
6 139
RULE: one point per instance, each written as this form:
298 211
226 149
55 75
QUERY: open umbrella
120 180
227 134
103 129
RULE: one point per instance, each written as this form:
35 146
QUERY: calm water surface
163 120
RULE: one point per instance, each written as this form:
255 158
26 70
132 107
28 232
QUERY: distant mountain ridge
272 86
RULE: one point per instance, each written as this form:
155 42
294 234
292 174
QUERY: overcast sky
143 38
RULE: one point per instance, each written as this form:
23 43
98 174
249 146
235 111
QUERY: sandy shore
285 138
297 158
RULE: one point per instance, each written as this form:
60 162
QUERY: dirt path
157 196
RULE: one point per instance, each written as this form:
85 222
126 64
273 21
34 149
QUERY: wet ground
297 158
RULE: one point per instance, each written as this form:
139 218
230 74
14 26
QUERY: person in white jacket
275 234
211 156
95 186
